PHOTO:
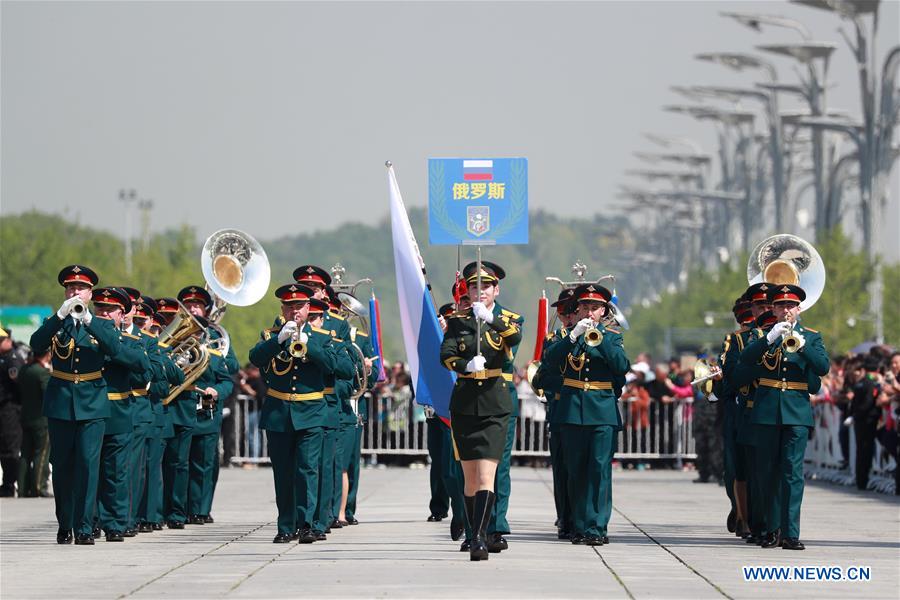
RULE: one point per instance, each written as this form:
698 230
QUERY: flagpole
390 168
478 288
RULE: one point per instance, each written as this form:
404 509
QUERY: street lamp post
128 198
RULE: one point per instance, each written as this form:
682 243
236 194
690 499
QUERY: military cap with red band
77 274
745 317
758 293
293 292
766 319
592 292
786 293
740 305
112 297
193 293
317 306
565 303
312 274
166 305
447 309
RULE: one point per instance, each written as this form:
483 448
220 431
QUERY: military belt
587 385
328 391
784 385
295 397
76 377
140 392
749 404
483 374
507 377
118 395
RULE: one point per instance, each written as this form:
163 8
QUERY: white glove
482 312
289 329
87 318
580 327
443 323
476 364
303 337
66 307
778 330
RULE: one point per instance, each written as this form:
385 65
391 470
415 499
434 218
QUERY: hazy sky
278 117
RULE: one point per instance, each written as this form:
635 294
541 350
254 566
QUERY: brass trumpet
296 348
79 309
593 337
790 342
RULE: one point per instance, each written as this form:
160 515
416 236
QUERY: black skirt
479 436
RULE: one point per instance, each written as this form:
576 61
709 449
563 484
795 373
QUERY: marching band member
594 370
480 405
788 362
295 411
75 401
128 369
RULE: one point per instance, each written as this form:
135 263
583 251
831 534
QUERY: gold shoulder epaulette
614 330
510 314
131 335
214 352
163 345
809 329
150 334
335 316
550 336
322 331
362 333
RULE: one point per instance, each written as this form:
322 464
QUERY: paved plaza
668 541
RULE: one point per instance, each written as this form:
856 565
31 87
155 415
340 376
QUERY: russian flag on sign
478 170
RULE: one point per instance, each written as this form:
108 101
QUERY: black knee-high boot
469 502
484 502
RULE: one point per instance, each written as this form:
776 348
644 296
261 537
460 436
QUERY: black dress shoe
752 539
352 521
196 520
84 539
97 532
456 530
433 519
731 521
605 539
337 524
296 535
157 526
208 519
145 528
496 543
578 539
593 540
562 534
320 536
64 536
307 536
175 525
464 547
283 538
792 544
771 540
130 532
114 536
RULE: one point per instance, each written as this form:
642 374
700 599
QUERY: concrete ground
668 541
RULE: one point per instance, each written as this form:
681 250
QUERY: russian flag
375 332
478 170
422 334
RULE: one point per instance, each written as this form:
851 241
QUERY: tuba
187 339
236 270
785 258
352 306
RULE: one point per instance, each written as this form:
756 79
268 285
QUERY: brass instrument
79 309
187 339
296 348
785 258
593 337
704 375
352 306
530 372
790 341
236 270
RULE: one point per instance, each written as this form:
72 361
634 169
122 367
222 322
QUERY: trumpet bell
297 349
235 267
786 258
791 343
593 337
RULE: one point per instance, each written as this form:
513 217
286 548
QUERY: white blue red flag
375 326
422 334
478 170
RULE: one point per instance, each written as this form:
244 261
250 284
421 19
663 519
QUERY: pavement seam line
195 559
594 548
678 558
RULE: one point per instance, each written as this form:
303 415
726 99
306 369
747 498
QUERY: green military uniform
205 438
76 406
588 415
550 381
33 469
144 421
782 414
181 413
127 370
351 428
503 485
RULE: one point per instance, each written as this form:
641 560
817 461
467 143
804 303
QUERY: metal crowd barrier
824 458
395 426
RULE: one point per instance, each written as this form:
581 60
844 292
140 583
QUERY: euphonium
187 339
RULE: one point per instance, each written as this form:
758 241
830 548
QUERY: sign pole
478 287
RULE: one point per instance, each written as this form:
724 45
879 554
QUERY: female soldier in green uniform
480 404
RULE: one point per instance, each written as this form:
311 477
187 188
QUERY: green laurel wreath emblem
438 196
518 204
